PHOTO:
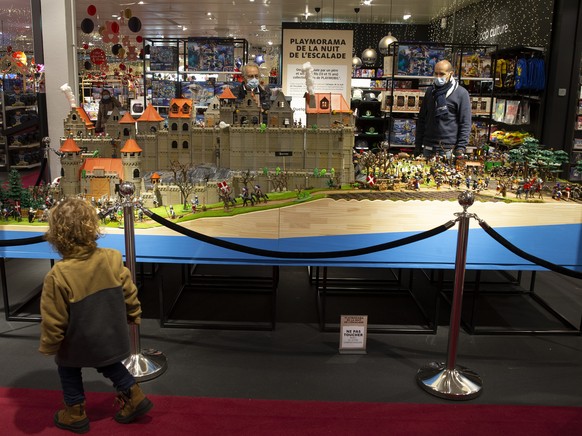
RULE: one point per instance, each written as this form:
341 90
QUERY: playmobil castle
232 136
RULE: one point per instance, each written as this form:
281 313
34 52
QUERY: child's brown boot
73 418
133 405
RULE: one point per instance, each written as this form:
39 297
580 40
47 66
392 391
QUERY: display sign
210 54
283 153
329 54
353 334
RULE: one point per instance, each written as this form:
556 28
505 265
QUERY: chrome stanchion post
146 364
448 380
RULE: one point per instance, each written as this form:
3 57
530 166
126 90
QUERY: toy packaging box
418 60
480 105
403 131
476 64
479 133
407 101
404 125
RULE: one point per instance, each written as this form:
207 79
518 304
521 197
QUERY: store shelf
23 107
25 167
23 146
21 127
19 122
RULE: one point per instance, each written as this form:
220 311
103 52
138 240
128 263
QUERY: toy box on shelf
403 132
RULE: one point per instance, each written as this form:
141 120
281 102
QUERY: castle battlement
326 142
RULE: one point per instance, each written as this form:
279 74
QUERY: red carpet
30 412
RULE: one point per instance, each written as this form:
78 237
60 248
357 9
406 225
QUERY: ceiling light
366 2
209 13
270 42
406 16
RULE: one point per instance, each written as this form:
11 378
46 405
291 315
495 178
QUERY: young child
87 300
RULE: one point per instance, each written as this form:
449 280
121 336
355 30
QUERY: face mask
253 83
106 97
440 81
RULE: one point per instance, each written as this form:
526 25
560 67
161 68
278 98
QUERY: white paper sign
353 334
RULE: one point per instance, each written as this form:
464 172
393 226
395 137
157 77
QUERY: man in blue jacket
444 120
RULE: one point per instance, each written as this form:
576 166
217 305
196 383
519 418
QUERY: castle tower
227 105
127 127
212 115
112 127
131 161
78 123
280 114
149 122
70 165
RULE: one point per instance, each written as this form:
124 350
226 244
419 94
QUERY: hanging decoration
87 25
116 42
369 56
134 24
259 59
386 45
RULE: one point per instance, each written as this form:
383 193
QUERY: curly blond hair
73 228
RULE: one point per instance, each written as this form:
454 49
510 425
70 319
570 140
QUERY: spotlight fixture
406 17
317 10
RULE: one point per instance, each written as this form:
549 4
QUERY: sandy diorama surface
354 212
329 216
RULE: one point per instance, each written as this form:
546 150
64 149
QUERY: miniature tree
14 188
247 177
530 156
368 161
279 181
182 180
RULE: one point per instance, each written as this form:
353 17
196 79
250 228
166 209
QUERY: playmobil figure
87 300
106 105
247 197
444 120
195 202
259 195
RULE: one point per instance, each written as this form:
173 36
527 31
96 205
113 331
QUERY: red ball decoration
91 10
115 27
122 67
139 39
85 46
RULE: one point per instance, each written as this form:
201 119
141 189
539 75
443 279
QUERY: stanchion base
452 384
147 365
